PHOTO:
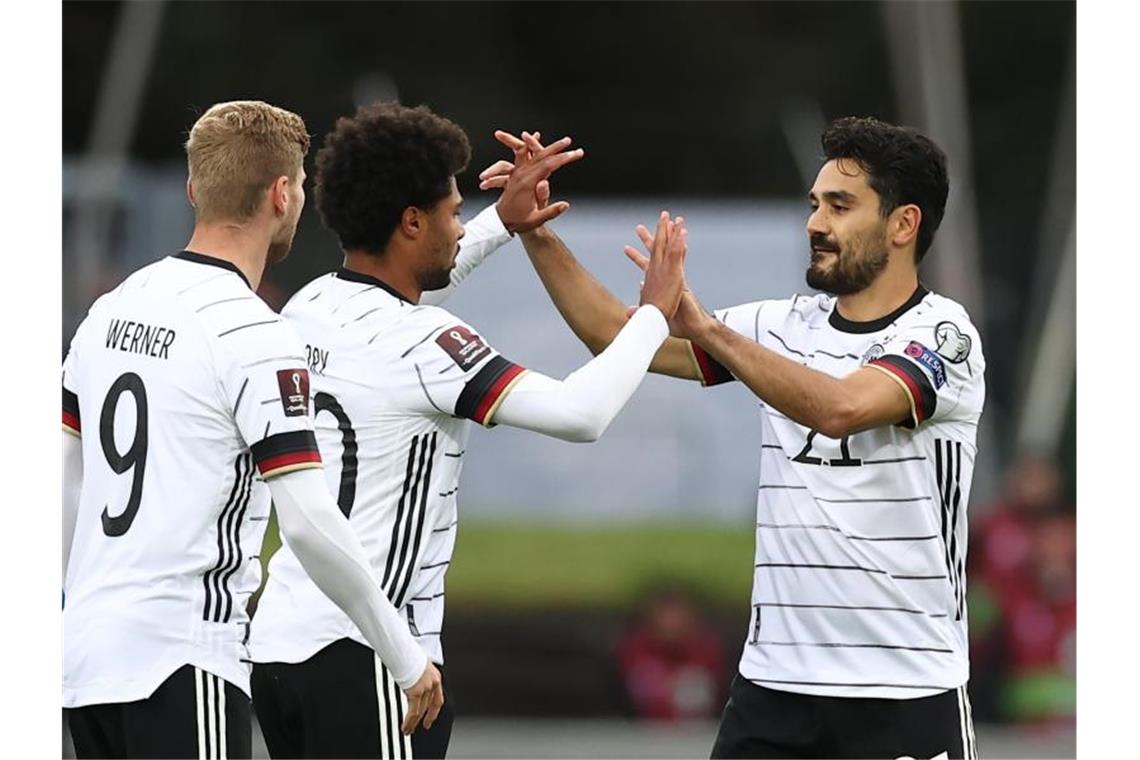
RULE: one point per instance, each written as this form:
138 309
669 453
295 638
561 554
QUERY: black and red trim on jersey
914 380
482 394
70 412
712 371
285 452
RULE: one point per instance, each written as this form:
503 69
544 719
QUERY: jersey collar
842 324
367 279
201 258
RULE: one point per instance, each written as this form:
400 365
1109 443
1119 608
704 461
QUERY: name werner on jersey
139 338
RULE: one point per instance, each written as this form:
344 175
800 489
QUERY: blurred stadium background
599 594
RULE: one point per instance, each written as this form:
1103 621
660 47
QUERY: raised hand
425 700
525 202
687 320
665 269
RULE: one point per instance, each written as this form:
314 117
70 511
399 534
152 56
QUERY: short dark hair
902 166
382 160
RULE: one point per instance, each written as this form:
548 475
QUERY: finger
634 255
493 182
434 706
662 230
415 711
506 138
499 167
553 163
644 235
551 212
554 147
542 194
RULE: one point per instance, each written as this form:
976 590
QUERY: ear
279 195
190 193
903 225
413 222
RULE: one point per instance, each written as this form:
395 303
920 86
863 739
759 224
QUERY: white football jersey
859 584
394 385
187 392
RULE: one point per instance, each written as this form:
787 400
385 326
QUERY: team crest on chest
951 343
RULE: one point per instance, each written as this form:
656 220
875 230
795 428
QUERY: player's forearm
72 487
592 312
809 397
582 406
332 556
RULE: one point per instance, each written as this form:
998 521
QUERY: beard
857 263
436 276
434 279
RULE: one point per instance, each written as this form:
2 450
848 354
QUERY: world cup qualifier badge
463 346
294 387
928 360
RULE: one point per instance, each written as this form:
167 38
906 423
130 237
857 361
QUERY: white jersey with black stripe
394 385
187 392
859 581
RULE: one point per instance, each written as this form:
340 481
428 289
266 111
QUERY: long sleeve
581 407
331 554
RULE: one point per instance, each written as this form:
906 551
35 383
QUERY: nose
815 223
462 232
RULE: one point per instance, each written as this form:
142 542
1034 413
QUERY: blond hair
236 150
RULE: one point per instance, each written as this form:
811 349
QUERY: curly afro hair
384 159
902 167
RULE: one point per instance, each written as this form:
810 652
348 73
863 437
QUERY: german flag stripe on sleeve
285 452
70 412
712 371
914 381
483 393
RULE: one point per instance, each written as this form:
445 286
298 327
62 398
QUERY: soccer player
870 397
395 382
185 407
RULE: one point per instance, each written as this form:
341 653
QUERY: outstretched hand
525 202
689 316
665 267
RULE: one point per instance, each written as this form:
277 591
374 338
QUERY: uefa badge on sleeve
294 387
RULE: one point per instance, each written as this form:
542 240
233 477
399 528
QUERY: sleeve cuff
712 371
488 225
71 412
923 399
483 393
286 452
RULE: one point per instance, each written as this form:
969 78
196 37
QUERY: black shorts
341 702
193 714
764 723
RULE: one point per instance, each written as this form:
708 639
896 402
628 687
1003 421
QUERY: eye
838 209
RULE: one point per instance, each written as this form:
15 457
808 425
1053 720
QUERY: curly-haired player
871 394
395 381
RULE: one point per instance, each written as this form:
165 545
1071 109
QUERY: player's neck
385 268
889 291
244 248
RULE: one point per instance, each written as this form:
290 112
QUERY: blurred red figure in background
672 664
1041 629
1006 531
